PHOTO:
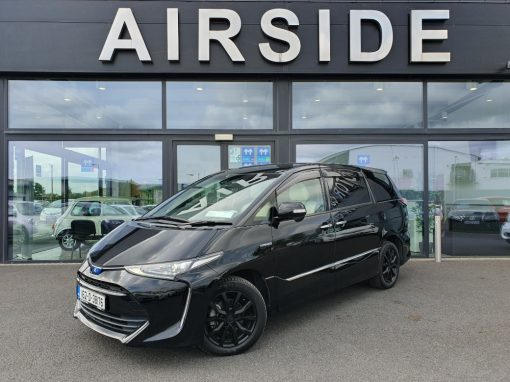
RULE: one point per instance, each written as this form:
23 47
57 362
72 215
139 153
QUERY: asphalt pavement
441 322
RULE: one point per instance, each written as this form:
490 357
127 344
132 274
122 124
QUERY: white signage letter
418 34
386 31
125 17
224 37
324 36
280 34
172 34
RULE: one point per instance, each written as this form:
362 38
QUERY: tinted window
381 186
85 105
346 188
308 192
86 209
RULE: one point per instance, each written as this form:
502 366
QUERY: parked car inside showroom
208 265
103 211
54 210
473 215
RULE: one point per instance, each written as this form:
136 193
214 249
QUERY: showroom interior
111 140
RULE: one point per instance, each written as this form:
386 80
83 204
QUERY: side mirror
290 211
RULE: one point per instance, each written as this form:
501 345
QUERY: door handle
326 226
341 223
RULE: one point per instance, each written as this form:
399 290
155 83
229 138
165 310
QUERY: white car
107 213
505 230
53 211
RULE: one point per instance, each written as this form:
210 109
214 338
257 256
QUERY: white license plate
472 222
89 297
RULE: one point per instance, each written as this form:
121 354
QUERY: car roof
295 167
102 199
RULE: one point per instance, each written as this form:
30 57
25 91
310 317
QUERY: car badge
95 270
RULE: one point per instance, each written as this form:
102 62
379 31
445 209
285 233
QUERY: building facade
109 107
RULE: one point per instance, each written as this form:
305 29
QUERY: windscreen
222 197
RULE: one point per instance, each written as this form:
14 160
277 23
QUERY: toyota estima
207 266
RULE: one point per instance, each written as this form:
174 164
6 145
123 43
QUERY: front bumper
139 311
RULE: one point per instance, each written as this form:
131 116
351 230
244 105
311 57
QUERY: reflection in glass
219 105
470 187
468 105
248 155
344 105
53 184
196 161
403 162
85 105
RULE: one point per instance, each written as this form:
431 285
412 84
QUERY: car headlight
170 270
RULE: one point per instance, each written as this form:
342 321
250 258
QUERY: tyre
67 242
389 267
236 318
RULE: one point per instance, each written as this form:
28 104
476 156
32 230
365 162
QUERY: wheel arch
256 279
393 238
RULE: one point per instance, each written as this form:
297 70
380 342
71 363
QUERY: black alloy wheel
389 267
236 317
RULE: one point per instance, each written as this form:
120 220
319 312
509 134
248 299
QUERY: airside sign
280 24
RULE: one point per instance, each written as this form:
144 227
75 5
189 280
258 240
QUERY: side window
381 186
308 192
347 188
264 212
86 209
113 211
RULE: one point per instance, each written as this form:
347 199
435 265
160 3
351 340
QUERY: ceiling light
317 100
98 117
102 88
245 100
473 88
245 117
379 89
67 99
489 100
304 117
199 89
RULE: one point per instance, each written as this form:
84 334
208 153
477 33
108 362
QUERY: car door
356 225
302 248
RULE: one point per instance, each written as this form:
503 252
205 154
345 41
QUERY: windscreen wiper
202 223
168 218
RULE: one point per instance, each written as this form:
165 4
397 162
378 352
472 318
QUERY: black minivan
206 266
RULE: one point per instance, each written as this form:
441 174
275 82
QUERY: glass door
195 160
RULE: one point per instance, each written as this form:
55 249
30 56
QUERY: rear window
381 186
346 188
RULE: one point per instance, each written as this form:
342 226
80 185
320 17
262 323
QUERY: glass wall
468 105
54 184
469 184
403 162
357 105
196 161
85 105
219 105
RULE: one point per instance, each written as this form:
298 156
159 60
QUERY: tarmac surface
441 322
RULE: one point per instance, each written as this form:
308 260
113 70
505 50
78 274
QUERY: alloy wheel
390 265
68 242
231 319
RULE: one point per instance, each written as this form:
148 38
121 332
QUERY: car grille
109 321
101 284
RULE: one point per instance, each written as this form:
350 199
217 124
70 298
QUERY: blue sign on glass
247 156
363 159
87 165
264 154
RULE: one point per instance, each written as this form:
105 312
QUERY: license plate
90 297
472 222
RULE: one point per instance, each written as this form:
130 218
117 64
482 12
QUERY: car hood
142 243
